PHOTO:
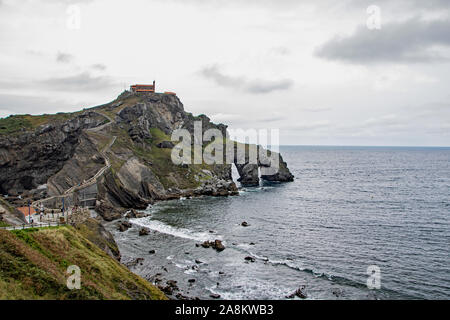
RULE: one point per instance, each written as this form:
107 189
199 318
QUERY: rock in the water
144 232
191 280
152 252
216 244
124 226
215 296
205 244
251 259
131 214
245 224
337 292
198 261
300 292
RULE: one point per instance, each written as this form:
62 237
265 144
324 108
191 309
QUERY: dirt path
93 179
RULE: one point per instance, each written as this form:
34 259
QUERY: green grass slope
33 265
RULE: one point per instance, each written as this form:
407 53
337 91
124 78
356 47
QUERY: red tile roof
25 211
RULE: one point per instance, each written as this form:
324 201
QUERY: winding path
93 179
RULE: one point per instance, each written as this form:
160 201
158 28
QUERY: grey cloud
64 57
79 82
242 83
410 41
98 66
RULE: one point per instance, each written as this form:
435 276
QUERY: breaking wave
162 227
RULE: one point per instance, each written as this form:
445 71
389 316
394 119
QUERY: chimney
154 87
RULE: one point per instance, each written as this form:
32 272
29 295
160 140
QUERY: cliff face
117 156
29 158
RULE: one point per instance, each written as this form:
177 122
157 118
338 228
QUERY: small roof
24 210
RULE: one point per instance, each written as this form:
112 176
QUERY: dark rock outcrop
107 211
252 159
144 232
216 244
300 292
29 159
124 226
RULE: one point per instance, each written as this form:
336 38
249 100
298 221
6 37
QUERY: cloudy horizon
324 73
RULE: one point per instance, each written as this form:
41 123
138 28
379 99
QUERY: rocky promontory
115 157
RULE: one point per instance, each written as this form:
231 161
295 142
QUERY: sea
356 223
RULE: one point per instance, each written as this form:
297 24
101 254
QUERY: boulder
171 286
124 226
205 244
144 232
250 259
107 211
300 292
216 244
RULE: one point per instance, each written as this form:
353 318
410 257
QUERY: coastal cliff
114 157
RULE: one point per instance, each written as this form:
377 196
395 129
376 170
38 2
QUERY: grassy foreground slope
33 265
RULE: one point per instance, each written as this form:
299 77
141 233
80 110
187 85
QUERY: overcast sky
313 69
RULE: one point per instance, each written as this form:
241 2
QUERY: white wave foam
184 233
190 271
